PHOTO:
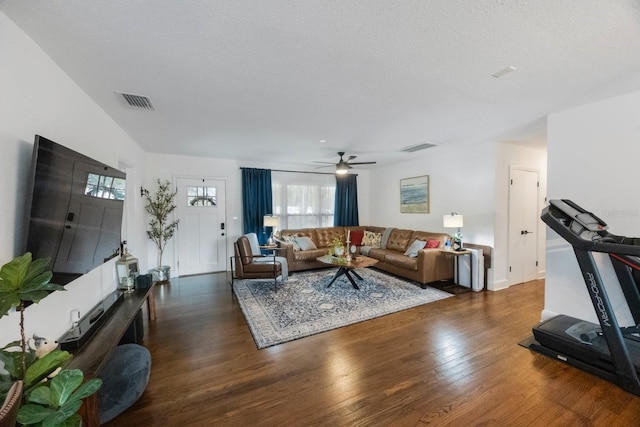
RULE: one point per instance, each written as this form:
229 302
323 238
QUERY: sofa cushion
399 240
356 237
305 243
309 232
401 260
265 267
412 251
372 239
377 253
324 236
310 255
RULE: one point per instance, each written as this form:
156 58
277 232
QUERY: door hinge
536 263
511 181
509 269
538 184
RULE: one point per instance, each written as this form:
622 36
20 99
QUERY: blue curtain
256 201
346 206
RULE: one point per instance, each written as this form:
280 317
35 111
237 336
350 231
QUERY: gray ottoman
124 378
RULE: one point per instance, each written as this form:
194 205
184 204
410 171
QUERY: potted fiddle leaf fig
160 206
45 401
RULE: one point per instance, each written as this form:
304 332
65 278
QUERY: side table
274 249
457 255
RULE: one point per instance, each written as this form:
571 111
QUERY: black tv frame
47 213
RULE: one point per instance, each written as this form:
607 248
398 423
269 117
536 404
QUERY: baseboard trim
499 285
547 314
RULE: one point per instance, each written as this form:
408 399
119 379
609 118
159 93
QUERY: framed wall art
414 194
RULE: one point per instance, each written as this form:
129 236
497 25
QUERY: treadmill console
584 230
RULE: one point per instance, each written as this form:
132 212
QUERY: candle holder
348 251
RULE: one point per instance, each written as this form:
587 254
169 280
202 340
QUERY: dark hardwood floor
452 362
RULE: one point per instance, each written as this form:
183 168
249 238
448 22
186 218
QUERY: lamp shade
452 220
270 221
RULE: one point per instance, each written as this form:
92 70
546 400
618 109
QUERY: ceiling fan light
342 169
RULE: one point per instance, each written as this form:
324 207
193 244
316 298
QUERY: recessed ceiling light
322 141
504 71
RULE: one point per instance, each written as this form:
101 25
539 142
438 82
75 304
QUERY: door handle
526 232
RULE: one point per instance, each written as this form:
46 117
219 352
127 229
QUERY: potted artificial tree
45 401
161 228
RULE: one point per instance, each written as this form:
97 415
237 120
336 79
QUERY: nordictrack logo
604 316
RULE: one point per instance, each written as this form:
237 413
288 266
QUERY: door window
201 196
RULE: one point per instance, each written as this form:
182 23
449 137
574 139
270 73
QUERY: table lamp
271 221
454 220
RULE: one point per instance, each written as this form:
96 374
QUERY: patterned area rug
304 305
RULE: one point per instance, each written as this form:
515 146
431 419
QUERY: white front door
202 228
89 233
523 225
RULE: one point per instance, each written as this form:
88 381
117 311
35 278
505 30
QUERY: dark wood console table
94 354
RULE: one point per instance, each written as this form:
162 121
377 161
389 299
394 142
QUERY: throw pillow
432 244
412 251
305 243
292 240
356 237
372 239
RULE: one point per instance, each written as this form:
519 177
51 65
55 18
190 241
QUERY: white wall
461 179
593 153
469 179
39 98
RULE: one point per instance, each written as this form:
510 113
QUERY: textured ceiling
266 80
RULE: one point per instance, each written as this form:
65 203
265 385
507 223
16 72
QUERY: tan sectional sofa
430 265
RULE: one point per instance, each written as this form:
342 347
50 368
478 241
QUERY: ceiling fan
343 166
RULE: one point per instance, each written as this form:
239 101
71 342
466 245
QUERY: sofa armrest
288 254
433 265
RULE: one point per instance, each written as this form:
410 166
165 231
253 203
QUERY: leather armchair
244 267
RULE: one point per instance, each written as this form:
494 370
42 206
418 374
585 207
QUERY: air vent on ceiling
138 101
413 148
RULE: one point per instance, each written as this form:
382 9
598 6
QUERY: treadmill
605 349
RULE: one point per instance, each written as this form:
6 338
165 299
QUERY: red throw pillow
356 237
431 244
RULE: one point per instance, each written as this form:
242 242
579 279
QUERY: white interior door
202 228
523 225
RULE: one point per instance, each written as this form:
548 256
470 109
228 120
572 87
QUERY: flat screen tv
74 212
